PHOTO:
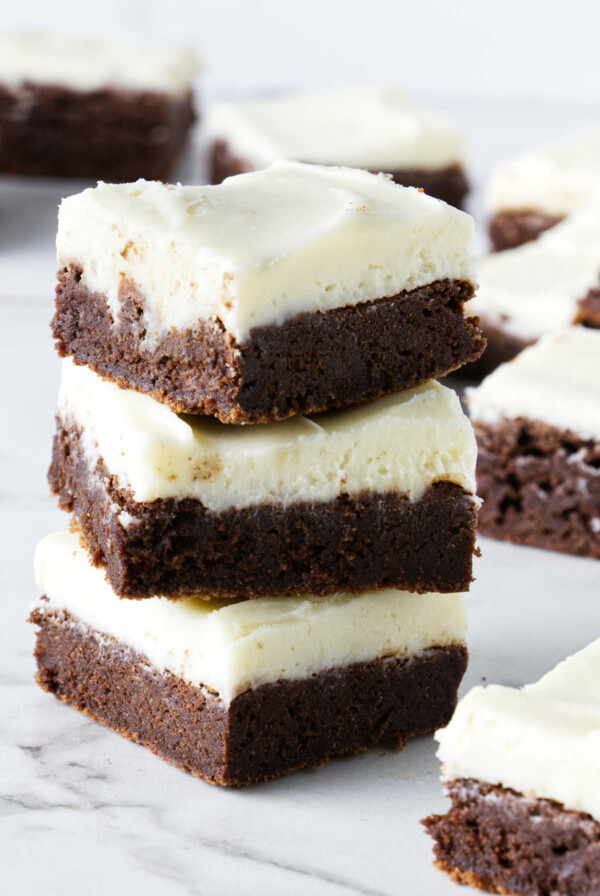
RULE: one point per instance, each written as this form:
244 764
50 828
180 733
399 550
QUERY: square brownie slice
370 127
246 691
537 424
98 108
290 290
521 769
378 496
531 193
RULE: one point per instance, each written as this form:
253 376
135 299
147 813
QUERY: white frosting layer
557 179
378 128
555 381
229 646
91 63
535 288
542 740
401 442
261 247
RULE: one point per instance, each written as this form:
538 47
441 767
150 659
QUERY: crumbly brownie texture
449 184
314 362
177 547
265 732
510 229
503 842
501 347
540 486
110 134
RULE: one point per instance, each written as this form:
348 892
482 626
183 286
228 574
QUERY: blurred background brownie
537 424
534 191
376 128
104 109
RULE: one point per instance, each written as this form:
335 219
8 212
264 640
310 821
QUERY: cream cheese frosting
374 127
403 442
555 381
261 247
557 179
93 63
535 288
542 740
229 647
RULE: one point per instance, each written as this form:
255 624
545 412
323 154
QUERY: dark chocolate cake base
500 348
503 842
510 229
540 486
314 362
112 134
176 547
264 732
449 184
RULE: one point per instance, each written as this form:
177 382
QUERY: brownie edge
503 842
314 362
264 732
513 228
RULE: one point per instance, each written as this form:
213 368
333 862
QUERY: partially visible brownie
537 426
532 192
92 108
374 128
291 290
521 769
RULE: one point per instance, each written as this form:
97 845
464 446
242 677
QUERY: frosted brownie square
375 128
251 690
537 289
537 424
94 108
376 496
285 291
521 769
534 191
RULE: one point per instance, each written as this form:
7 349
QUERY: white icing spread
542 740
261 247
402 442
231 646
378 128
555 381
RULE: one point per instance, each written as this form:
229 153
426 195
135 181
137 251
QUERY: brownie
449 184
315 361
177 547
501 347
108 134
540 486
513 228
264 732
504 842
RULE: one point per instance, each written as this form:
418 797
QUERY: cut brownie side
503 842
540 486
110 134
501 347
353 542
509 229
447 183
264 732
315 361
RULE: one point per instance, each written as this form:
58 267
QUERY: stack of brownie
249 426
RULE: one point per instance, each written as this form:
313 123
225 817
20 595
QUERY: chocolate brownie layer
449 184
540 486
510 229
109 134
315 361
588 314
176 547
262 733
503 842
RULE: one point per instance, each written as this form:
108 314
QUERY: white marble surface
85 811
